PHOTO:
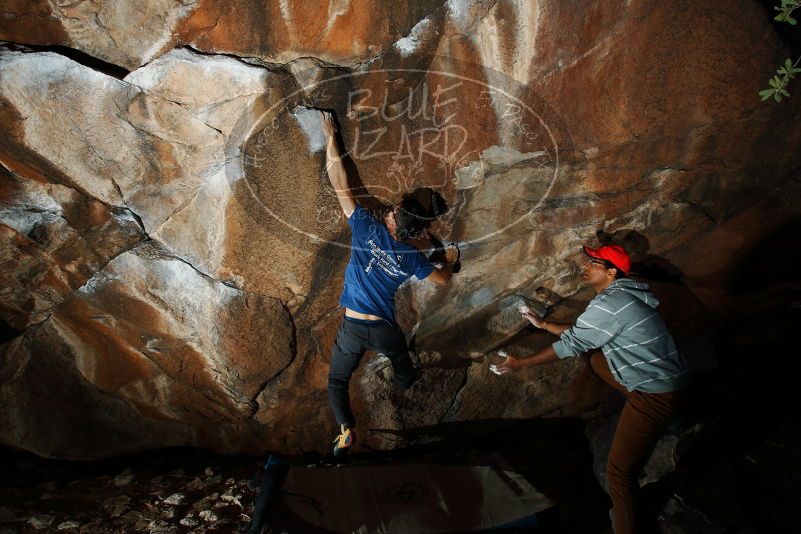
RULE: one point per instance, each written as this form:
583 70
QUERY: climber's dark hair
618 271
434 206
411 219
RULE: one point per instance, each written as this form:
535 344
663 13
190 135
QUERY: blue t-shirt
378 266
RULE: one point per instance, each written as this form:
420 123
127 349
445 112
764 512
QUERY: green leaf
779 17
781 71
773 83
784 92
791 20
776 97
788 63
795 70
766 93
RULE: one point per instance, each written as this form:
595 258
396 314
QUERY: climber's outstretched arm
333 164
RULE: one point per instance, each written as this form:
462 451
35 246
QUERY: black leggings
353 339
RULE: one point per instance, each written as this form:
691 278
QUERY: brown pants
642 422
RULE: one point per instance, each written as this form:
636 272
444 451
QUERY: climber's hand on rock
452 254
533 319
508 365
328 124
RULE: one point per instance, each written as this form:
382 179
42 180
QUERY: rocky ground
190 490
150 495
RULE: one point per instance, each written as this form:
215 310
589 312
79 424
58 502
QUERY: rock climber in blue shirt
382 258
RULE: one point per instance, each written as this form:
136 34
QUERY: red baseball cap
614 254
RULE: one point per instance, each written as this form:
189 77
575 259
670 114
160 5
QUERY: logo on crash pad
405 492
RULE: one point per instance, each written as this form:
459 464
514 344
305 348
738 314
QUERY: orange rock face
132 34
334 31
173 252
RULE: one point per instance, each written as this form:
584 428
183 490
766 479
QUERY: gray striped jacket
623 322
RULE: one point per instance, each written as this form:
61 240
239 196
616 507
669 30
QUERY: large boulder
170 235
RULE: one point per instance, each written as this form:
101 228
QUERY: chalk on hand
493 367
524 309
